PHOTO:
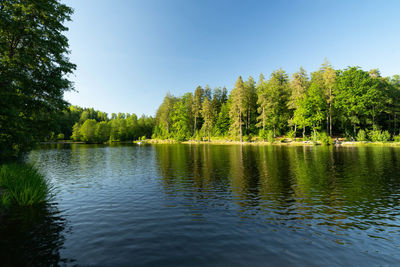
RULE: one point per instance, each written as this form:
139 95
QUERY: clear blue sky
129 54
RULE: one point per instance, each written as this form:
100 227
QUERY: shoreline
232 142
276 143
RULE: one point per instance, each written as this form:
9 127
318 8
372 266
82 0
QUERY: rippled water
213 205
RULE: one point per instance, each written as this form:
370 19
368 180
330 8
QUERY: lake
192 205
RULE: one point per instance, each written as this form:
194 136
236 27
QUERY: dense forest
93 126
350 103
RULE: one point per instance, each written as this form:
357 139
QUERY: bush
379 136
396 138
22 185
290 135
361 136
263 134
60 136
270 137
246 138
324 139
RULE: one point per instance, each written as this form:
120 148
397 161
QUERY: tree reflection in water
32 236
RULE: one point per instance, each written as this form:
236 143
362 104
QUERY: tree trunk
194 126
315 135
240 125
274 132
327 124
330 110
330 119
263 119
295 128
304 132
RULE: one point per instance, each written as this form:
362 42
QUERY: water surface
209 204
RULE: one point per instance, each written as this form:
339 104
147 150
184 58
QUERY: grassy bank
22 185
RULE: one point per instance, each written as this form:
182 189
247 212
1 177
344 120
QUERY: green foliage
181 125
361 136
87 131
23 185
223 121
76 134
208 115
60 136
359 98
396 138
238 108
343 100
379 136
273 96
263 134
122 127
34 69
290 134
325 139
102 132
270 136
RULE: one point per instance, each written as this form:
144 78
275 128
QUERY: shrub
270 137
290 135
246 138
396 138
361 136
60 136
379 136
325 139
22 185
263 134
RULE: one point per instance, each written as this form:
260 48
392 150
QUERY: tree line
350 103
93 126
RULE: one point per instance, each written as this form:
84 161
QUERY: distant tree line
92 126
351 103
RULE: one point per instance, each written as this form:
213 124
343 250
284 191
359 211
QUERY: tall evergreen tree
238 108
196 108
250 102
208 115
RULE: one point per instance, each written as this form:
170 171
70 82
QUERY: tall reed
21 184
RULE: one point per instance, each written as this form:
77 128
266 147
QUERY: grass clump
22 185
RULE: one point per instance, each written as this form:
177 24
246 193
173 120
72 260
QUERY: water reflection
32 236
334 189
210 204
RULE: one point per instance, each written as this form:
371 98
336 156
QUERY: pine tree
196 108
208 115
238 108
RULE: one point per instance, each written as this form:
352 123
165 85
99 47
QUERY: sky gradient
129 54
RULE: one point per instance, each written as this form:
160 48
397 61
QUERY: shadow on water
32 236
